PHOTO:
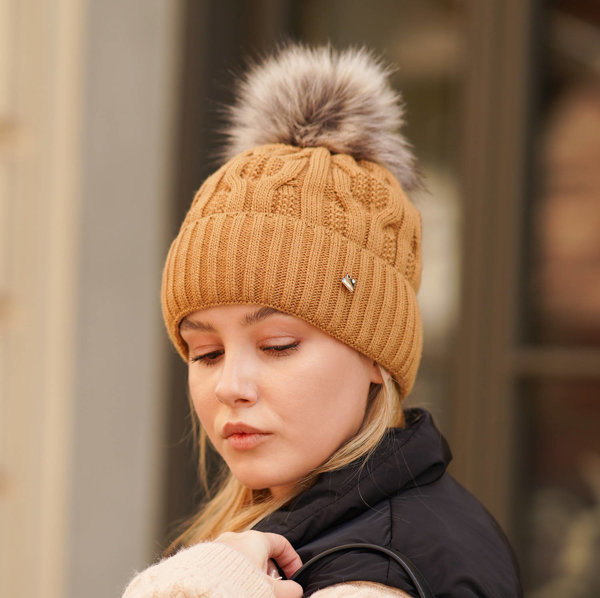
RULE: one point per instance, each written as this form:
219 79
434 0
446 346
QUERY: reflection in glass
562 485
566 215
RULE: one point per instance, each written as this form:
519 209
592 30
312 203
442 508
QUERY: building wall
87 94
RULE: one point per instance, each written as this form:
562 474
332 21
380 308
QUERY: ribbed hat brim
287 264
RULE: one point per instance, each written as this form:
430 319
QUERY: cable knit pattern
213 570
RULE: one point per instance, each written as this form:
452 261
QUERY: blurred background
109 114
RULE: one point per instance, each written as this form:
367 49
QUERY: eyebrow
252 318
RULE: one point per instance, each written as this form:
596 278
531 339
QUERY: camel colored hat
308 215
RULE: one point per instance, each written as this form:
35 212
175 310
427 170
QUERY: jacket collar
343 494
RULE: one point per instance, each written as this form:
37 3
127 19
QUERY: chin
261 482
255 483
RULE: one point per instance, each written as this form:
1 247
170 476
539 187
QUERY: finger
283 553
287 589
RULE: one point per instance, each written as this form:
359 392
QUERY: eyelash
209 359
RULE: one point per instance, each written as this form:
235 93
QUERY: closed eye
280 350
208 358
212 357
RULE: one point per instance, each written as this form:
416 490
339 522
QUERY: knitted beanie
308 215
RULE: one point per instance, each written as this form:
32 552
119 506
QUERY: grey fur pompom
319 97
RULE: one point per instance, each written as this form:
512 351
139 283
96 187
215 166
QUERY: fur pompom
319 97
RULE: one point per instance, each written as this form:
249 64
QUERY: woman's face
275 395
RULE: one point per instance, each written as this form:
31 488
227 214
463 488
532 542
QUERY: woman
290 290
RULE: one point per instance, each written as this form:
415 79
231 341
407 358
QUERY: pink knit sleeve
209 570
360 589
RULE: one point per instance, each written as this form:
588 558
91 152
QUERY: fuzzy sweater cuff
209 570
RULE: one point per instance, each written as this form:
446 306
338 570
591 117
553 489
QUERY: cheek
330 396
204 407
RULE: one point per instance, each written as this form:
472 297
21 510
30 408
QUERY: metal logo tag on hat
349 282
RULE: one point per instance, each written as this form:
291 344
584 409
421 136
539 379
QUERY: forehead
245 315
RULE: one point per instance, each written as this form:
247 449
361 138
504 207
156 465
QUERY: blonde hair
236 508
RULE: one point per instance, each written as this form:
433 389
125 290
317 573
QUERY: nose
235 384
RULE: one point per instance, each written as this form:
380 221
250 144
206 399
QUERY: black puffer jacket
402 499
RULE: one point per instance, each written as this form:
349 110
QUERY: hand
259 548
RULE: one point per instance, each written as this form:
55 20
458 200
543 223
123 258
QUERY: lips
231 429
242 437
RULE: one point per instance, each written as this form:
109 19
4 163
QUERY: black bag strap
423 589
